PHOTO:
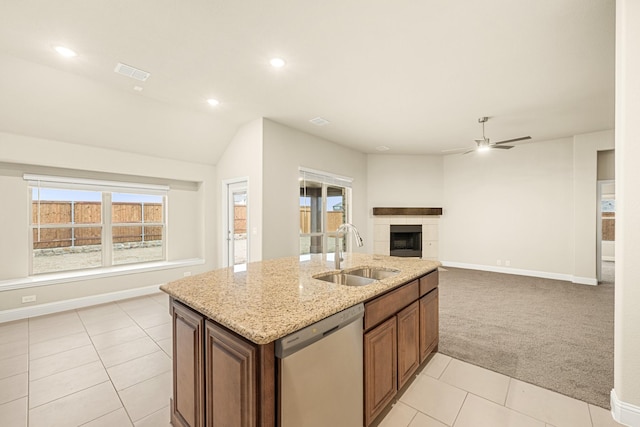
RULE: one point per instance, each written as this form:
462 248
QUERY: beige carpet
551 333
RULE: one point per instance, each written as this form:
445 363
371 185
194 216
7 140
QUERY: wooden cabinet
408 342
219 378
187 405
429 324
401 330
380 367
230 363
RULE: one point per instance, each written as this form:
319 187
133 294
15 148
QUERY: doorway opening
605 250
236 224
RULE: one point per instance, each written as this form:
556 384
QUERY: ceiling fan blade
522 138
502 147
470 151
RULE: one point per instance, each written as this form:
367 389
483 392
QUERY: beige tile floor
110 365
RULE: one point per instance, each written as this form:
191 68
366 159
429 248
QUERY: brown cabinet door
380 368
408 342
230 366
187 405
429 325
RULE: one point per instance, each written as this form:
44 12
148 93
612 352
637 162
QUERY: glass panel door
238 247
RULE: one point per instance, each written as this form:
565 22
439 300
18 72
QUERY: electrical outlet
507 263
499 262
186 274
28 298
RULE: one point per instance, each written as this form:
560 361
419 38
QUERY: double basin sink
360 276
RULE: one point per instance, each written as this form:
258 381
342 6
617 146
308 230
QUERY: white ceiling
412 75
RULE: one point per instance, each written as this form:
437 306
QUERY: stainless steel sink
341 278
357 277
376 273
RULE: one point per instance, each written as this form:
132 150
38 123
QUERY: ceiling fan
485 143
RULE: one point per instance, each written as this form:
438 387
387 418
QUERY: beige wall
404 181
242 159
191 201
514 205
285 150
627 301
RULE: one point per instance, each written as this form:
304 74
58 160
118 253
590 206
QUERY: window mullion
165 211
31 228
107 231
325 237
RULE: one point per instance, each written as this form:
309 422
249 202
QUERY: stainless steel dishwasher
321 373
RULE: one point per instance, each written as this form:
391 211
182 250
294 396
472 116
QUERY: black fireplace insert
406 240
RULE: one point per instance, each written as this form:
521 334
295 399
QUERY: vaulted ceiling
411 75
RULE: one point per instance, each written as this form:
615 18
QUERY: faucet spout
343 230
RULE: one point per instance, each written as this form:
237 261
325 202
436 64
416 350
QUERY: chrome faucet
344 229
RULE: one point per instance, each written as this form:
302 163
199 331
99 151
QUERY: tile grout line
103 415
460 409
107 371
108 376
506 396
590 414
520 412
70 394
64 370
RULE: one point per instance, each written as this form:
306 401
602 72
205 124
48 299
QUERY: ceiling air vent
129 71
319 121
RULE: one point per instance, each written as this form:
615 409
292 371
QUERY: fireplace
406 240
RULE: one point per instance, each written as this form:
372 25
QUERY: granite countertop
270 299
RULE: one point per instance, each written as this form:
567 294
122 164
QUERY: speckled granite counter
274 298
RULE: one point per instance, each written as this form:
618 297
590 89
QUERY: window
608 220
324 205
82 224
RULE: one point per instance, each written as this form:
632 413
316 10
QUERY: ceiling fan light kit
485 144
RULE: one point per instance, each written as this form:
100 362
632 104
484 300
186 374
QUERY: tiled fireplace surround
430 226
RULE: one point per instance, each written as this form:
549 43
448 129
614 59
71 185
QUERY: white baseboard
521 272
623 412
71 304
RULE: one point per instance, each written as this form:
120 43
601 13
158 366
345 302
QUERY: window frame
105 188
325 179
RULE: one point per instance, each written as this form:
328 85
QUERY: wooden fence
334 219
608 226
87 213
240 219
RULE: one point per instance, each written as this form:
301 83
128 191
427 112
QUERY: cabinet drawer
428 282
389 304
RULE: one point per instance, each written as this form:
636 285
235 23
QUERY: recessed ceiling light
213 102
277 62
65 51
382 148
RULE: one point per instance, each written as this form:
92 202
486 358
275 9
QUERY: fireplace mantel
407 211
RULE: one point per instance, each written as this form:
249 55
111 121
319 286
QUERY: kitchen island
225 323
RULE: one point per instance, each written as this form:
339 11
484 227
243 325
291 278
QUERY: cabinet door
380 368
429 325
187 405
230 377
408 342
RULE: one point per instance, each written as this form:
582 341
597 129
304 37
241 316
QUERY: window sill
76 276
